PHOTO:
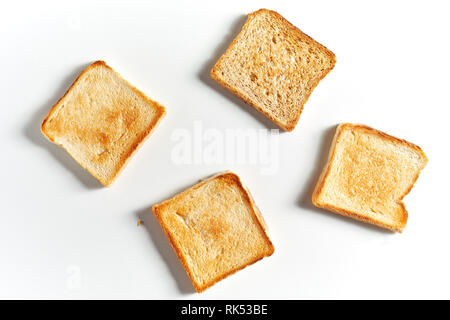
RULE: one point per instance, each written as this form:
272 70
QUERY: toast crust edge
215 74
231 177
326 170
134 147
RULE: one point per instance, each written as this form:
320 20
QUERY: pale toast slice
215 228
368 174
101 121
273 67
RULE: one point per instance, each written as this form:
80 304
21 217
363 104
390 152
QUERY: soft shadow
165 250
304 199
205 77
32 130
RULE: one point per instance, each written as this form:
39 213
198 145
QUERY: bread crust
231 178
215 74
133 148
355 215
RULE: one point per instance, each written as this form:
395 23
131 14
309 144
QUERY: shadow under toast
165 250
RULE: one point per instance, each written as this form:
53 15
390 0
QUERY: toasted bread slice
274 67
215 228
101 121
367 175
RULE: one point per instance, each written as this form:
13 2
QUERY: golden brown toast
215 228
368 174
274 67
101 121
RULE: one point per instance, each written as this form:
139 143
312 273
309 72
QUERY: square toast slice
215 228
101 121
273 67
368 174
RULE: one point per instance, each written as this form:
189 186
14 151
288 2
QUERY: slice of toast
101 121
215 228
368 174
274 67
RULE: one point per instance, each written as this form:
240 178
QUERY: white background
62 235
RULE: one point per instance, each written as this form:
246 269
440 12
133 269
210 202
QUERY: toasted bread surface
368 174
274 67
215 228
101 121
